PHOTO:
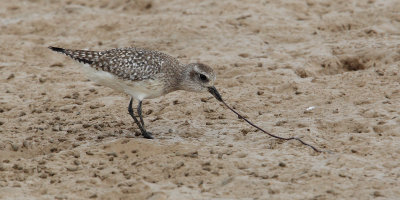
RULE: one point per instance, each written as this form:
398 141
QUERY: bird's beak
215 93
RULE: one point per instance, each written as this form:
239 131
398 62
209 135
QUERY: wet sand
64 137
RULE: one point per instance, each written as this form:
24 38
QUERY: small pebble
25 144
2 168
60 197
179 165
241 155
241 165
96 106
226 181
16 185
11 76
204 99
14 147
206 169
335 111
43 176
193 154
113 154
75 95
77 162
85 125
58 64
244 55
72 168
42 80
378 194
42 162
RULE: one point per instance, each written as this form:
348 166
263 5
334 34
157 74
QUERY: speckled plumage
132 63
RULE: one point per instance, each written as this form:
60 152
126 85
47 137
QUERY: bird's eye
203 78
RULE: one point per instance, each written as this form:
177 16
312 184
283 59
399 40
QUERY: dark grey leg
139 110
140 124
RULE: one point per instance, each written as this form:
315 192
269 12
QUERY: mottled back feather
127 63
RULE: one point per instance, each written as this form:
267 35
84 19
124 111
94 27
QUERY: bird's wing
127 63
83 56
130 63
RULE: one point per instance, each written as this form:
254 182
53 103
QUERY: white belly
139 90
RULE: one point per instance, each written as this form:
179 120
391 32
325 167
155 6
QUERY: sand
324 71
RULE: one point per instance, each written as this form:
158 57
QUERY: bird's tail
84 56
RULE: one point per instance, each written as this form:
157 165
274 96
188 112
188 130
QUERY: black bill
215 93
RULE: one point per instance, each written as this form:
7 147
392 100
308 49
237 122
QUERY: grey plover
143 74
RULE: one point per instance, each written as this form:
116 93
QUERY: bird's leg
140 125
130 110
139 110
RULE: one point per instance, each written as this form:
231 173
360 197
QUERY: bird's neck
183 78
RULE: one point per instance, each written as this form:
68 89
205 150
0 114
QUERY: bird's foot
147 135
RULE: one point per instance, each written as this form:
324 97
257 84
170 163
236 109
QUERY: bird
142 74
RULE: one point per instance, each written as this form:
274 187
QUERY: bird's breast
143 89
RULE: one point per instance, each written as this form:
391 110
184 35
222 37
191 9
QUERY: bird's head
199 78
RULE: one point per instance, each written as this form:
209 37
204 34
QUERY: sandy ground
64 137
